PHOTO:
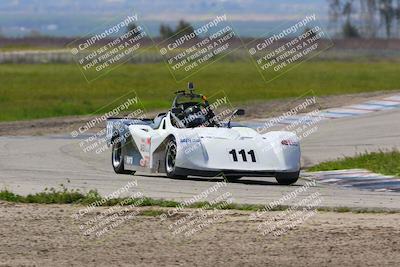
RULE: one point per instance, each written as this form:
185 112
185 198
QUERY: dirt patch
46 235
264 109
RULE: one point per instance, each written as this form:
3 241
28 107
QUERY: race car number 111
243 154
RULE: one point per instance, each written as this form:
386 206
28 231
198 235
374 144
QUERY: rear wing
119 126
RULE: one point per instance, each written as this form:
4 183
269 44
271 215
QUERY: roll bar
190 94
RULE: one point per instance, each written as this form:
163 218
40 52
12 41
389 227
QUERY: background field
29 91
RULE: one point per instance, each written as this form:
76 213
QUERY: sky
74 17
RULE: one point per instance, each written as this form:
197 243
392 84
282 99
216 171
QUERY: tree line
365 18
166 31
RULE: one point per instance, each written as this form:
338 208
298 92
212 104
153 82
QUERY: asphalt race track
30 164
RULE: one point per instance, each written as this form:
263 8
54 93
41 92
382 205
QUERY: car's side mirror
239 112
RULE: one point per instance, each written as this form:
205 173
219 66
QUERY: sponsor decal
188 140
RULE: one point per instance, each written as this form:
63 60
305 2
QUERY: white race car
190 140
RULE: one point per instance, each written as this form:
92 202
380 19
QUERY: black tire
287 178
170 157
117 158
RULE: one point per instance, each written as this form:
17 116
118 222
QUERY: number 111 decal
243 154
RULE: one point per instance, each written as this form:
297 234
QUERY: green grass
27 47
52 196
65 196
50 90
387 163
152 213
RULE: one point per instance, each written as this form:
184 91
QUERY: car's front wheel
117 158
287 178
170 160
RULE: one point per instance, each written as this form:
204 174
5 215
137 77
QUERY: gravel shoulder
47 235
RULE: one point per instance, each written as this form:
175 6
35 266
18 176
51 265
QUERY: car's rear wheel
170 160
117 158
287 178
